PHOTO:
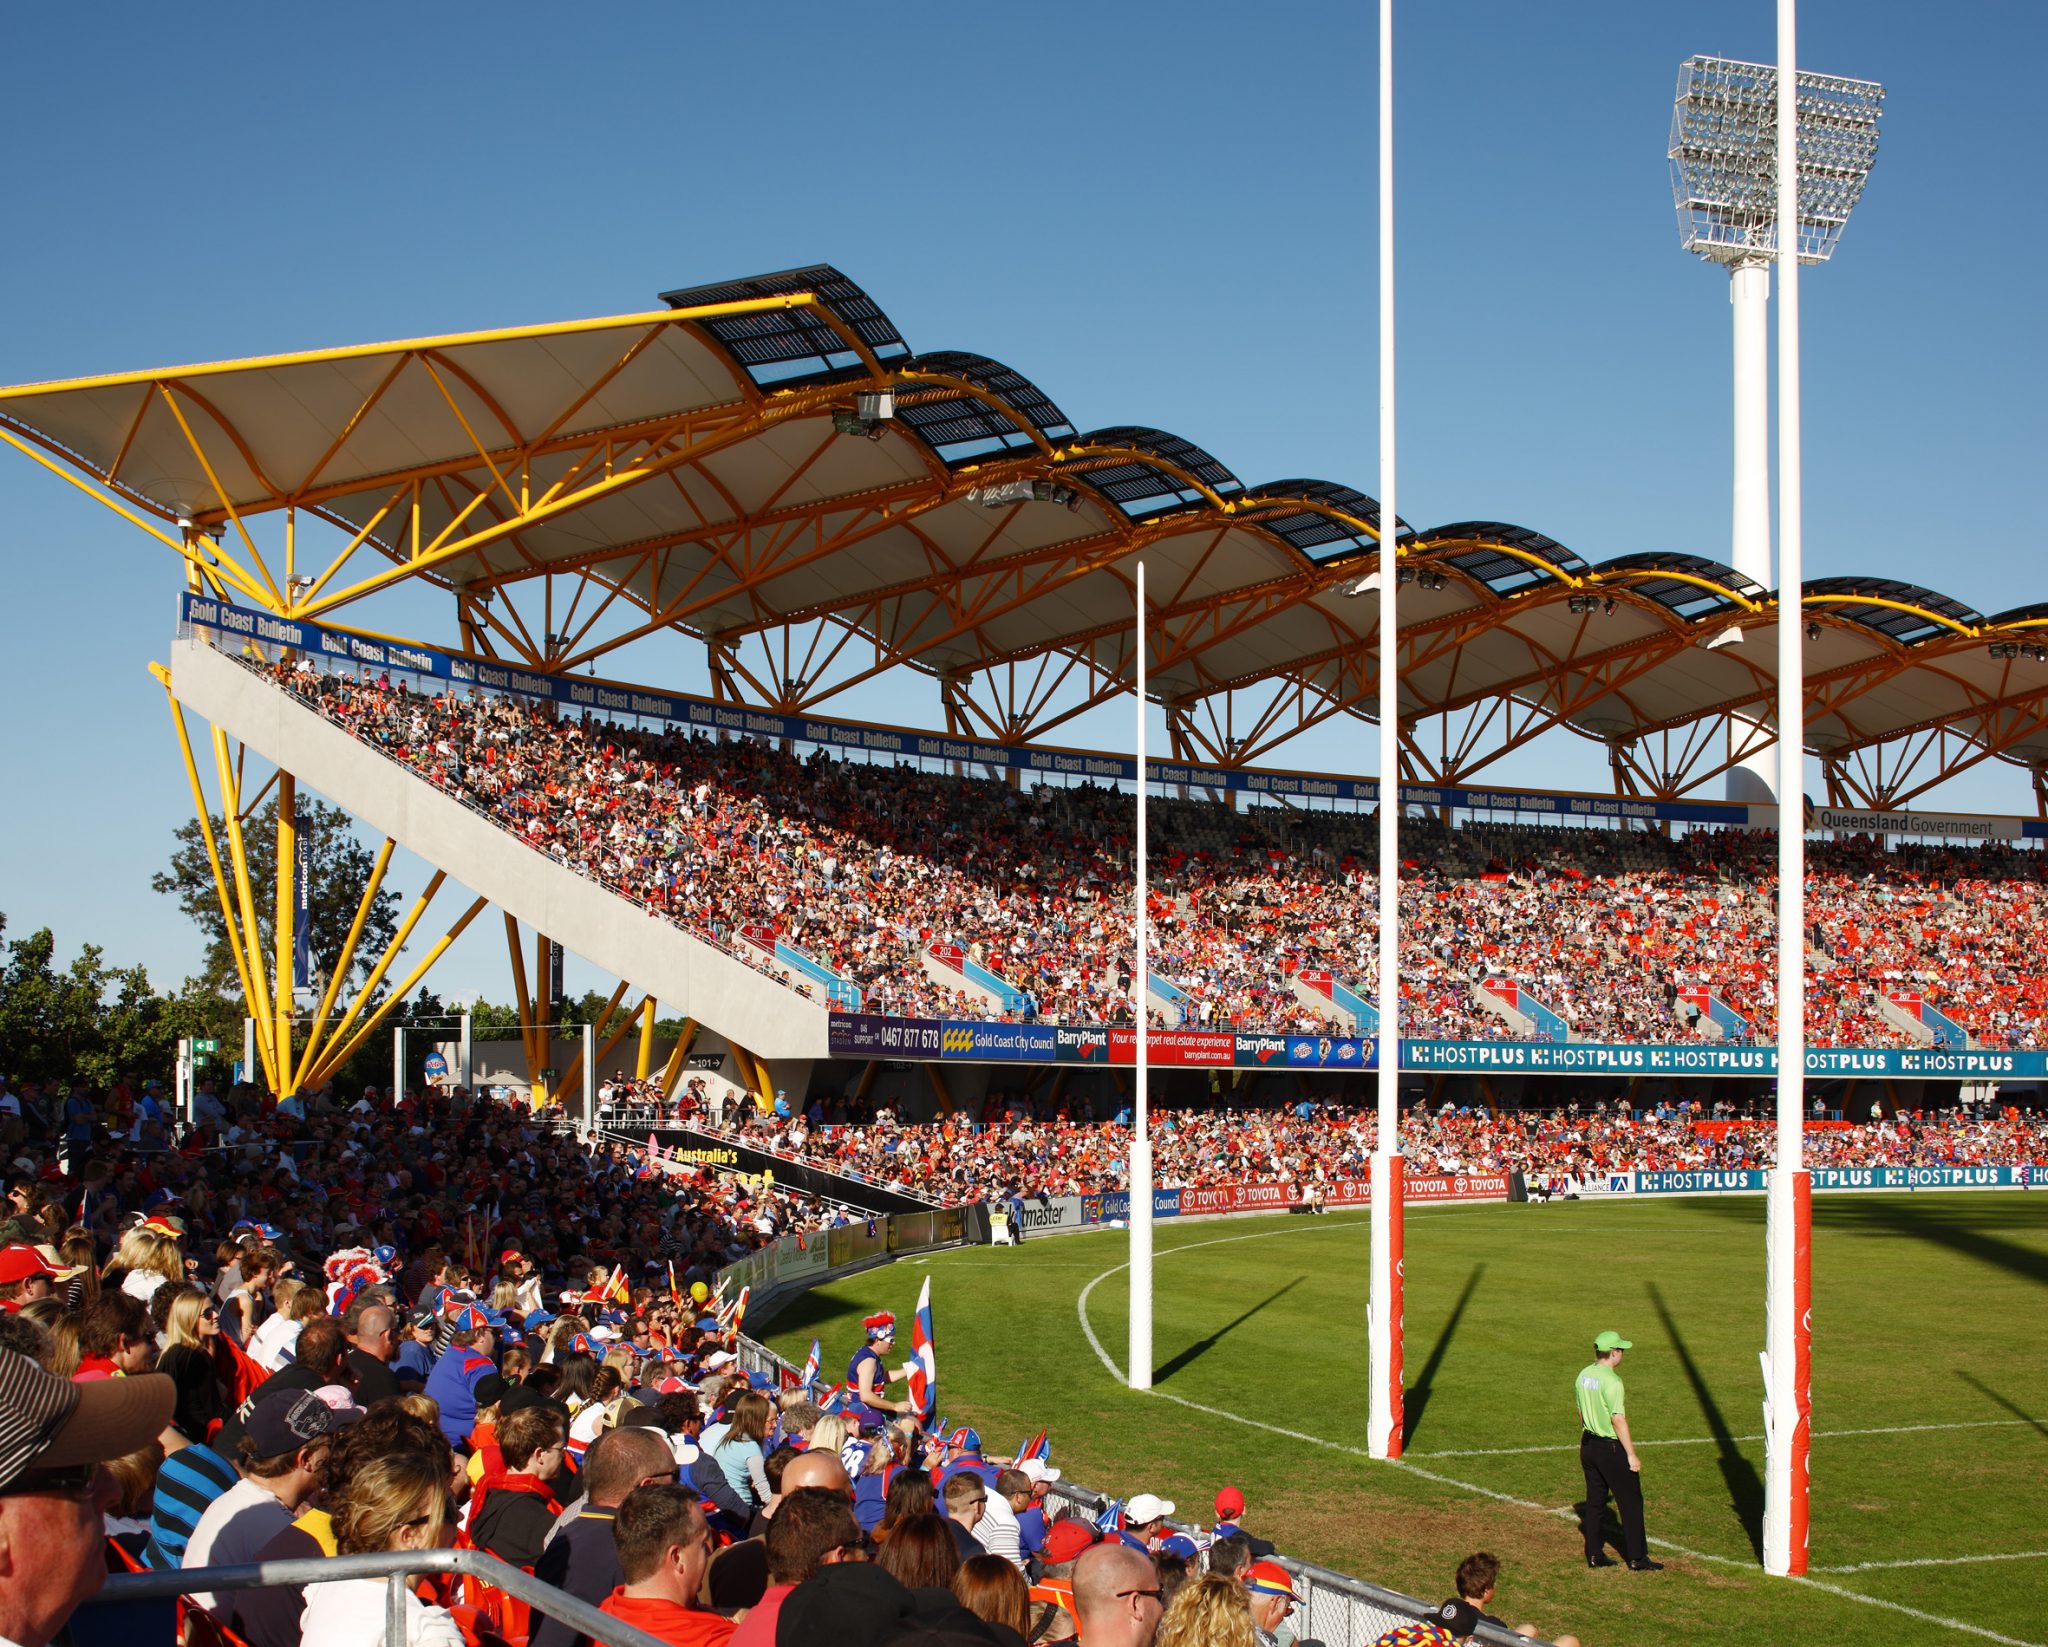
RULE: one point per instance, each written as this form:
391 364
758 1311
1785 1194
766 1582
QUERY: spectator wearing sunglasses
1116 1597
55 1436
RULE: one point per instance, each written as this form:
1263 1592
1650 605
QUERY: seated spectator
921 1553
396 1502
1211 1611
283 1458
582 1556
813 1527
512 1511
1270 1590
187 1359
993 1590
1116 1597
665 1555
54 1435
965 1498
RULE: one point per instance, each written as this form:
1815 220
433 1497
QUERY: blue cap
270 1232
1178 1544
538 1319
385 1255
760 1381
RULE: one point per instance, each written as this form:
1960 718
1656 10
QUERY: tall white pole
1788 1274
1383 1311
1141 1136
1749 289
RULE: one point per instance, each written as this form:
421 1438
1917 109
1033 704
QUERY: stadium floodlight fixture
1724 158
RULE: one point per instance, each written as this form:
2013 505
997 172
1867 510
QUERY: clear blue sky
1163 214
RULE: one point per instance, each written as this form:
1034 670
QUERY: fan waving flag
809 1381
1038 1447
923 1370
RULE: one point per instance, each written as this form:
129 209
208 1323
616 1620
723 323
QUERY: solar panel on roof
1905 628
783 345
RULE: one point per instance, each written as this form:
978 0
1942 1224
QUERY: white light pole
1140 1218
1723 155
1383 1311
1788 1271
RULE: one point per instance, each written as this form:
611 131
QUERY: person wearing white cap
1145 1521
1031 1514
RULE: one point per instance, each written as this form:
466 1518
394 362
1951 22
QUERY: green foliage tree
89 1022
339 865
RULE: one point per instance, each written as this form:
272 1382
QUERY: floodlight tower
1744 163
1724 179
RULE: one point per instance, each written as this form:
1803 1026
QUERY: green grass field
1928 1339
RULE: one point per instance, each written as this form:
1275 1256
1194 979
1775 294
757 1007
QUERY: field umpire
1607 1453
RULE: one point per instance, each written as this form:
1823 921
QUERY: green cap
1611 1341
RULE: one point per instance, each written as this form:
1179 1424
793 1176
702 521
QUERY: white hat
1147 1507
1038 1470
720 1358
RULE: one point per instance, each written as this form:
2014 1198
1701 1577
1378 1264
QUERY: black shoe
1602 1561
1646 1565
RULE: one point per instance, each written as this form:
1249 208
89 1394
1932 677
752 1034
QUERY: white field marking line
1708 1440
1562 1513
1931 1561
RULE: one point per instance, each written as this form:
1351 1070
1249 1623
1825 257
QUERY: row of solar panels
792 346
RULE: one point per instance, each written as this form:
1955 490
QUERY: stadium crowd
400 1326
1011 1150
867 869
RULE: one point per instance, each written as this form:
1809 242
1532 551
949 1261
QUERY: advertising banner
867 1035
1206 1048
689 1146
1114 1205
1006 1043
1692 1183
1049 1213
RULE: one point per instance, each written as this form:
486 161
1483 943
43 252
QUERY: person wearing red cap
25 1275
1229 1506
1064 1542
1271 1592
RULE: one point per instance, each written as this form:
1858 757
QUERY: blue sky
1161 214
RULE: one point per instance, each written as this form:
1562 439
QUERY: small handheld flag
1037 1447
809 1380
1111 1520
924 1368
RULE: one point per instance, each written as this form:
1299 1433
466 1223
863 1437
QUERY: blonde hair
386 1493
77 1248
148 1252
62 1353
181 1320
135 1473
828 1435
1211 1611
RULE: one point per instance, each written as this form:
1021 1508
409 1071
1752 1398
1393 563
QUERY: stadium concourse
869 868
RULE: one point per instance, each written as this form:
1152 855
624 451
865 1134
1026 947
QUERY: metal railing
1332 1607
396 1568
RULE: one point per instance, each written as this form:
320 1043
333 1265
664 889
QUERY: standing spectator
54 1435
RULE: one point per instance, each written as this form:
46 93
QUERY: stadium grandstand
903 955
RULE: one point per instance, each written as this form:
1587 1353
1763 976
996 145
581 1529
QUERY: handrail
394 1565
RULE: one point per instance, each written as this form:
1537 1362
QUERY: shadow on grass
1417 1396
2012 1407
1201 1346
1955 1223
1745 1486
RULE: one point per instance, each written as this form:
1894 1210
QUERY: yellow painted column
646 1062
285 924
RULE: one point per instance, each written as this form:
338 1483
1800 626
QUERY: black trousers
1605 1462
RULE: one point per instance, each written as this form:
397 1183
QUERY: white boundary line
1564 1513
1708 1440
1932 1561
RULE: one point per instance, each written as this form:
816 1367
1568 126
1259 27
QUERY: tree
339 867
90 1022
